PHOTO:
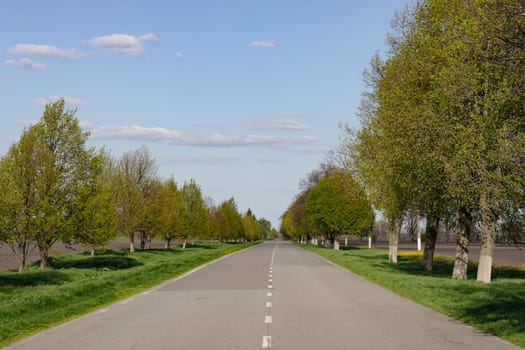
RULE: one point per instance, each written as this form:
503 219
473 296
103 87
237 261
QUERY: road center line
268 319
267 342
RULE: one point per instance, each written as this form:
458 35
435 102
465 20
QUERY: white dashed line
270 286
269 294
268 304
268 319
270 280
102 311
267 342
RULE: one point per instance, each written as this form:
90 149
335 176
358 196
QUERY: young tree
170 220
196 210
97 216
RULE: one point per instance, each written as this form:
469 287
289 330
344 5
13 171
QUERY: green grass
497 308
75 284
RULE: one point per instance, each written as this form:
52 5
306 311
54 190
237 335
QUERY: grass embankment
496 308
75 284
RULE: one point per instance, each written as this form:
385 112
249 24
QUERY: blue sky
245 97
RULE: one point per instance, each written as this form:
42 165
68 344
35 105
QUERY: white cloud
86 125
145 134
68 99
149 37
29 63
10 61
263 44
179 54
123 43
278 125
44 50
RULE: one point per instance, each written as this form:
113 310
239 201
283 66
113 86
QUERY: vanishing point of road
274 295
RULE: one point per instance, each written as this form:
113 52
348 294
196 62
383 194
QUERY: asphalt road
272 295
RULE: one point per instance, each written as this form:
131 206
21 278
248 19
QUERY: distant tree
170 220
251 228
197 213
338 205
266 227
135 184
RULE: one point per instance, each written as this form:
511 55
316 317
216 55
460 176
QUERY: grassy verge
496 308
77 283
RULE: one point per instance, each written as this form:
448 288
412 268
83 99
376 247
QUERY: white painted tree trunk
418 233
346 241
336 244
488 235
369 242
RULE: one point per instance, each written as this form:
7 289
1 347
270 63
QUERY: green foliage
46 173
170 216
443 127
197 214
337 205
136 187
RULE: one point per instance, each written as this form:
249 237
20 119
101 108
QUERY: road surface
274 295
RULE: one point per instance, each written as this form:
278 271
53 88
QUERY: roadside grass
76 284
497 308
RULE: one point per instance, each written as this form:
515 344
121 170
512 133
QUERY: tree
59 162
296 223
338 205
170 213
135 185
16 184
97 216
196 210
251 228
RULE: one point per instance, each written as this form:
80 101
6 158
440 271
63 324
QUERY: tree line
330 204
54 188
442 135
443 127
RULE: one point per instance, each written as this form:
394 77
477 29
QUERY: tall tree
135 184
61 162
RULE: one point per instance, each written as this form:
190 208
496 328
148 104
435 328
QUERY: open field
503 255
77 283
495 308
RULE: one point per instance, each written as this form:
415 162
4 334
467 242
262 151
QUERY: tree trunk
488 234
394 225
132 243
336 244
418 232
462 242
44 253
431 231
92 251
22 261
184 244
167 244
